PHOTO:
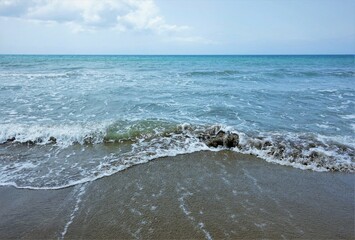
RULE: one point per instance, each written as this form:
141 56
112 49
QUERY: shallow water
202 195
73 119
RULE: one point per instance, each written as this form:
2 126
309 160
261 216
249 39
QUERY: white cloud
90 15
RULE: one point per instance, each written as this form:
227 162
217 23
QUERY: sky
177 26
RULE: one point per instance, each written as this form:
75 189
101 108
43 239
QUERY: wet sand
211 195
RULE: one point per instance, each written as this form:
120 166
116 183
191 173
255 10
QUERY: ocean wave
279 73
44 75
307 148
203 73
13 88
64 135
61 134
82 153
311 73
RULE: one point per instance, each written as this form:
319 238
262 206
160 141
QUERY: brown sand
217 195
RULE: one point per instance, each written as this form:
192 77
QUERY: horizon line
114 54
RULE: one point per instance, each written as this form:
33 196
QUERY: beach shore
211 195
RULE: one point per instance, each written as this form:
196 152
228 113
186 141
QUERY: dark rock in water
280 150
52 140
314 155
267 144
88 140
214 131
11 139
231 140
215 142
204 137
222 138
295 154
30 142
312 145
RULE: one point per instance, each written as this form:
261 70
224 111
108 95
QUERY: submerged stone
52 140
11 139
231 140
222 139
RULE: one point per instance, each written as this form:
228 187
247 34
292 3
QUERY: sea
71 119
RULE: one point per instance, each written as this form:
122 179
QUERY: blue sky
177 26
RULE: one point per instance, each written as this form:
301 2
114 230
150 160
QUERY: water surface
71 119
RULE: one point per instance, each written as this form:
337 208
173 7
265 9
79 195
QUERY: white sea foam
35 75
328 90
350 116
63 133
323 126
317 153
188 213
81 192
142 152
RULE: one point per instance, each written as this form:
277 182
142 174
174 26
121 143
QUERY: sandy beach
204 195
177 119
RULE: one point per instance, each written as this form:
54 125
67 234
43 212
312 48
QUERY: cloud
90 15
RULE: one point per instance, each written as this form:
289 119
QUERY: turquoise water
71 119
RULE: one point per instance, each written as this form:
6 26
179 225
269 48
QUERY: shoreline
209 195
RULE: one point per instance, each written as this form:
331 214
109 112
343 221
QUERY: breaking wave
53 157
